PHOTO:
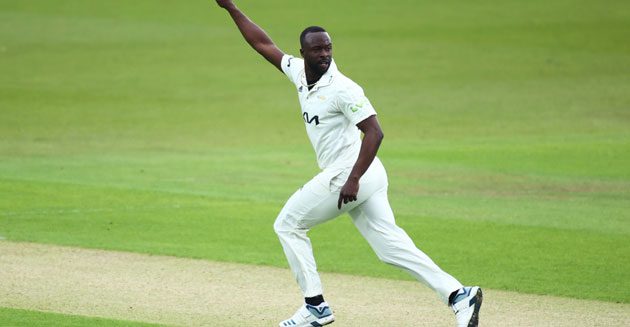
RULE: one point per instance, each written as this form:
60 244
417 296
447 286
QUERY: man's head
316 49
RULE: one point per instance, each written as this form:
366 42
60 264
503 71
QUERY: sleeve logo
357 107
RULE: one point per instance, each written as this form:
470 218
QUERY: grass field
149 126
17 317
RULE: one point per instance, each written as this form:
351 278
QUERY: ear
302 52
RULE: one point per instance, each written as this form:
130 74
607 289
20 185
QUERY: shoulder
292 67
347 88
291 62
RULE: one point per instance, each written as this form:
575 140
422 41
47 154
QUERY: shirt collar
326 79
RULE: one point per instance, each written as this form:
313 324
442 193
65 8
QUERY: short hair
310 29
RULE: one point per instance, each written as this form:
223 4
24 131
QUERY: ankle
315 300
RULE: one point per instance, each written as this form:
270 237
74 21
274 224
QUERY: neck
311 76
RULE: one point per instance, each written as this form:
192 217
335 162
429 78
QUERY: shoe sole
320 322
324 321
474 320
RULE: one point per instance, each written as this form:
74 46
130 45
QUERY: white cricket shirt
330 110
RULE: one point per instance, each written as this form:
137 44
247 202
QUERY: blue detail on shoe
465 292
316 324
319 312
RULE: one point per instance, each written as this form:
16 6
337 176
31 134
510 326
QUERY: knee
388 251
385 257
283 225
277 225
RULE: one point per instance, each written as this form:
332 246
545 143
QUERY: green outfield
150 126
17 317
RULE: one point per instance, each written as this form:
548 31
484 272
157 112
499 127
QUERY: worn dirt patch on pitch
188 292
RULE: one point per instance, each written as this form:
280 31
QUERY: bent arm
253 34
372 137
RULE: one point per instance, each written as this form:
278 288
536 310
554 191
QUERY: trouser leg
313 204
375 220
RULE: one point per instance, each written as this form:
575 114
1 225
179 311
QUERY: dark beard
315 67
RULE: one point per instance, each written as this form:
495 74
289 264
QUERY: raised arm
372 137
254 35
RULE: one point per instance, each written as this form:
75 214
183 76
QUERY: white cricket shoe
467 303
310 316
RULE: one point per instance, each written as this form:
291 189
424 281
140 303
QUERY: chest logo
309 120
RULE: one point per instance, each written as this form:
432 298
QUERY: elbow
379 133
380 136
261 46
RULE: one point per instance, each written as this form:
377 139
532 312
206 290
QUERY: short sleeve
354 104
292 67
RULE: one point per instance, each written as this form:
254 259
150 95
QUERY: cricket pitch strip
188 292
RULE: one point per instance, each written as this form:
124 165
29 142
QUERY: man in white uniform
335 113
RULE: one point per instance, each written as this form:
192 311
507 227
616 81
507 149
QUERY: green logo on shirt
356 107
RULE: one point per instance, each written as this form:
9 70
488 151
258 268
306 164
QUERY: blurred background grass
150 126
18 317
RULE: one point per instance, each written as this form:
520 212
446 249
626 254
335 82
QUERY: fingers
345 198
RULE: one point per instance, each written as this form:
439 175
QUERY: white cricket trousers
316 202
